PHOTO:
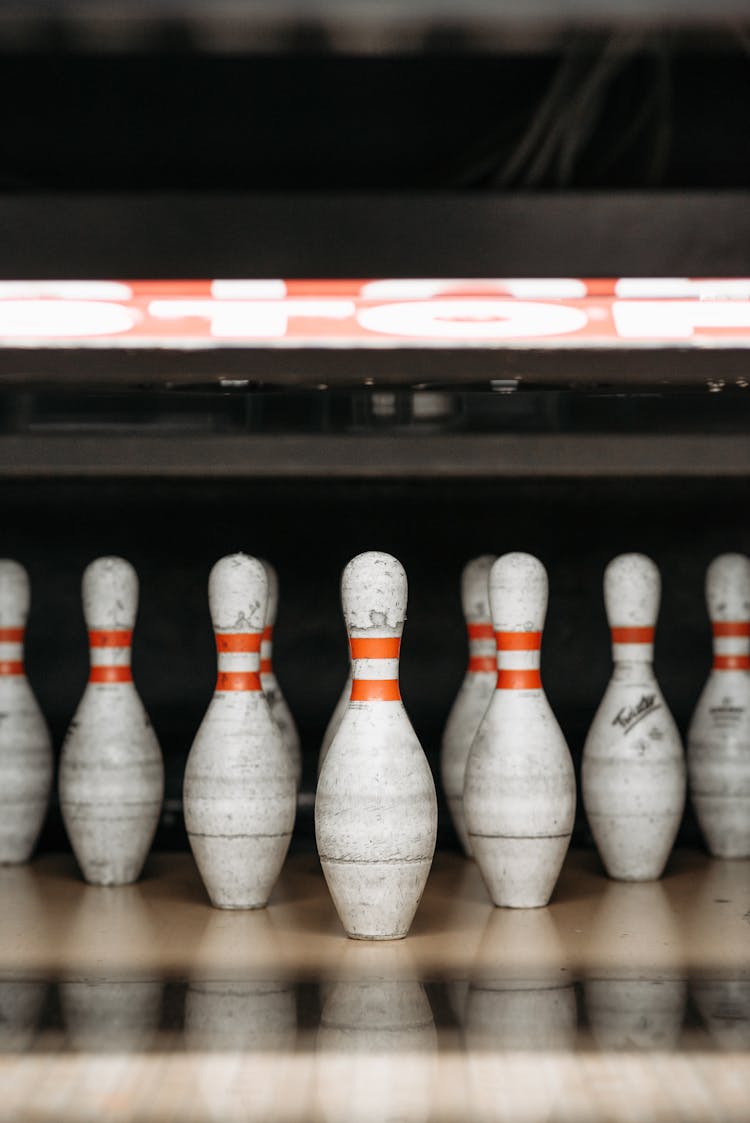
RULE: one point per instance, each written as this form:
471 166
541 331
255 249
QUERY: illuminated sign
452 314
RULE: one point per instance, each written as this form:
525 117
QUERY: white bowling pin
633 763
519 791
280 711
375 810
25 745
239 792
718 743
111 770
475 691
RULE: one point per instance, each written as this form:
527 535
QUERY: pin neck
110 653
731 644
375 668
11 652
482 657
518 658
238 662
632 644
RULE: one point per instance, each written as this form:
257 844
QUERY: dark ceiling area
602 113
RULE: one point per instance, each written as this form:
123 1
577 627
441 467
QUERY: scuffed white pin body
239 792
718 752
375 809
280 711
111 770
633 761
475 691
519 790
25 745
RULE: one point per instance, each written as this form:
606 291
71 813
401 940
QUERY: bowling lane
142 1003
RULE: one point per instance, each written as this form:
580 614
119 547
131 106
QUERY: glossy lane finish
169 1009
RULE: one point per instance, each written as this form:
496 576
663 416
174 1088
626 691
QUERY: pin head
632 588
475 592
518 593
728 588
273 593
374 593
15 594
238 594
110 594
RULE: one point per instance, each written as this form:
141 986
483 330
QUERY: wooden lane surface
695 920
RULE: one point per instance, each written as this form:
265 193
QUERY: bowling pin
718 743
474 693
25 746
375 809
280 711
633 763
239 792
519 791
111 770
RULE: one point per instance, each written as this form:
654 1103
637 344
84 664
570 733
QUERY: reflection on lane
529 1005
103 1014
377 1041
504 1012
628 1008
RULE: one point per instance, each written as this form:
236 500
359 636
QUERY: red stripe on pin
238 641
11 635
518 680
738 628
11 667
116 638
480 631
480 663
518 641
268 633
732 662
376 647
238 680
265 666
110 674
375 690
632 635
